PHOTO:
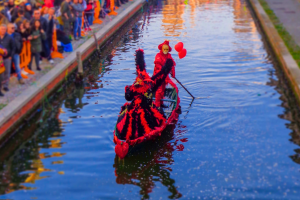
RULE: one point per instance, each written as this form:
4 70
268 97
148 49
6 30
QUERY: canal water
237 139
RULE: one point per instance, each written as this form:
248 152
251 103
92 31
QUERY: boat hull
125 147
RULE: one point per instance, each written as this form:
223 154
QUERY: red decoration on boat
182 53
184 140
121 149
179 46
140 120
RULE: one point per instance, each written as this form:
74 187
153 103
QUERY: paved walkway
288 12
15 88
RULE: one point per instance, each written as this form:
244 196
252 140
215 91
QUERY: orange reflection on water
242 18
173 11
11 177
172 17
37 164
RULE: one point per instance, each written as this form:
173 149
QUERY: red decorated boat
171 100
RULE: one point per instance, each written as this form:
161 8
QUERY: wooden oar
184 87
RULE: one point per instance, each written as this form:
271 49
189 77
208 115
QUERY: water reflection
242 18
25 165
21 161
238 143
148 168
173 20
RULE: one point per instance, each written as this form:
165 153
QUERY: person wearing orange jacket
160 60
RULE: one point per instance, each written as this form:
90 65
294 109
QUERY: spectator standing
58 2
38 5
3 52
25 29
44 11
83 3
51 19
4 10
89 11
21 4
44 25
66 16
10 5
37 16
20 16
7 42
3 19
12 10
36 37
18 5
77 11
28 11
18 43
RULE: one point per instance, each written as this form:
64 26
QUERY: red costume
160 60
140 117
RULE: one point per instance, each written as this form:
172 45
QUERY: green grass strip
2 105
284 34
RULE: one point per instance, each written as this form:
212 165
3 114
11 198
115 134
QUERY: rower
160 60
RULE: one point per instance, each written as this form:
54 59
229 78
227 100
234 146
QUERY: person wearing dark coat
11 9
24 29
62 37
66 16
58 2
4 12
36 38
13 13
18 43
38 4
51 19
28 11
43 21
77 12
20 16
7 42
44 25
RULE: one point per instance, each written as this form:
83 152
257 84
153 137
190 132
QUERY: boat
171 112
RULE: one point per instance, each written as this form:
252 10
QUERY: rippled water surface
236 140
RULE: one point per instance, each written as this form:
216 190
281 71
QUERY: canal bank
30 98
281 50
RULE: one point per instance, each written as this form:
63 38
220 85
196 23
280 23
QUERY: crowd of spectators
35 21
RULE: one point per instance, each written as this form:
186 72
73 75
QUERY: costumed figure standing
140 118
160 60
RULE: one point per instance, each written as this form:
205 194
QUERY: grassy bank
292 46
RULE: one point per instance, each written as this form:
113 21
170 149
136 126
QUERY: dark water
238 139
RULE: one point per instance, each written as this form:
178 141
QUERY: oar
184 87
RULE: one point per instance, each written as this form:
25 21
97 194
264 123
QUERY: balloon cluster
181 51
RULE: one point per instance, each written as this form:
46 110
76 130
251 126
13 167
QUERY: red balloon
179 46
182 53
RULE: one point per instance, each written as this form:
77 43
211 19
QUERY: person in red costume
160 60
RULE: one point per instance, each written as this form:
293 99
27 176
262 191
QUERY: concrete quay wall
287 62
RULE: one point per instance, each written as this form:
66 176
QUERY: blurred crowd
36 22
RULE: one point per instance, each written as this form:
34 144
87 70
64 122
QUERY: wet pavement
238 139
